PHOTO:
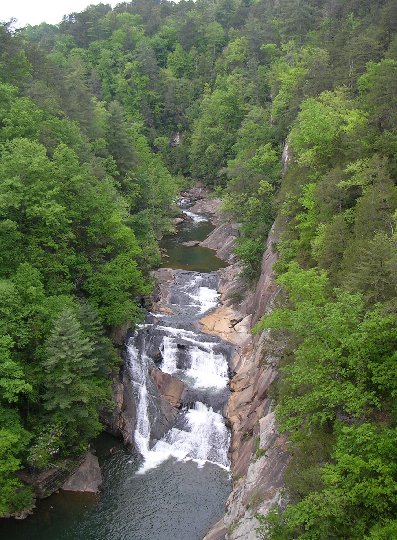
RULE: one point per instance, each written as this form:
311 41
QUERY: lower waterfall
198 360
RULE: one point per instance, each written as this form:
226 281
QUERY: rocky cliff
259 453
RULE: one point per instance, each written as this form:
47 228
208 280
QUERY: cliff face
259 453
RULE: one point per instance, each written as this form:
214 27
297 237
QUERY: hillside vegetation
90 111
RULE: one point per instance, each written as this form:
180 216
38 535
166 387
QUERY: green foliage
342 355
214 133
90 112
319 133
73 393
13 441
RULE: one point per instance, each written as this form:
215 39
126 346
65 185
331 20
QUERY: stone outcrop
169 387
259 454
48 481
87 478
165 278
227 324
207 206
120 421
222 241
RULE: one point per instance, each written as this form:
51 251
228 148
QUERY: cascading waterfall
169 351
138 365
207 369
202 437
195 217
199 433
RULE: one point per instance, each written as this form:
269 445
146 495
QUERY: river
174 488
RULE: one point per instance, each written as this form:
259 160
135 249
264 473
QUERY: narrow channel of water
175 487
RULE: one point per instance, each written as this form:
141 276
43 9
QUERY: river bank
258 453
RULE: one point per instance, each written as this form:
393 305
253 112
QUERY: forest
90 112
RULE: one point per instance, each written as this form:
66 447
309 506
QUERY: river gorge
201 454
174 481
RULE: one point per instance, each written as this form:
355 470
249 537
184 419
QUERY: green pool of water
196 258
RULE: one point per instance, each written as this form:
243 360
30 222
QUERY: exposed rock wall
259 454
120 422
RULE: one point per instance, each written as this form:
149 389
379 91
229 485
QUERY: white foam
205 298
207 369
204 438
195 217
169 355
139 371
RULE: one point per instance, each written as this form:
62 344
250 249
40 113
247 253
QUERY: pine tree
72 393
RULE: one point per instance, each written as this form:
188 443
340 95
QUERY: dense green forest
103 118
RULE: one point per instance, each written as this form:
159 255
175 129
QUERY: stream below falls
173 487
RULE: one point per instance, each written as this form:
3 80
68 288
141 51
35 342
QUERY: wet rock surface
208 206
169 387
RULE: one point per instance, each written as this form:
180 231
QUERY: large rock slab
165 278
206 206
87 478
228 324
222 240
169 387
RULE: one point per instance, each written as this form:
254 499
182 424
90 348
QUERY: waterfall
202 437
138 365
169 355
203 297
285 158
199 432
207 369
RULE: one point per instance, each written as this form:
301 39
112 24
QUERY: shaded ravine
174 487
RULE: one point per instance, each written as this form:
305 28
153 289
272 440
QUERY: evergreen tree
72 393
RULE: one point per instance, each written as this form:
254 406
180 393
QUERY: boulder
206 206
191 243
87 478
169 387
